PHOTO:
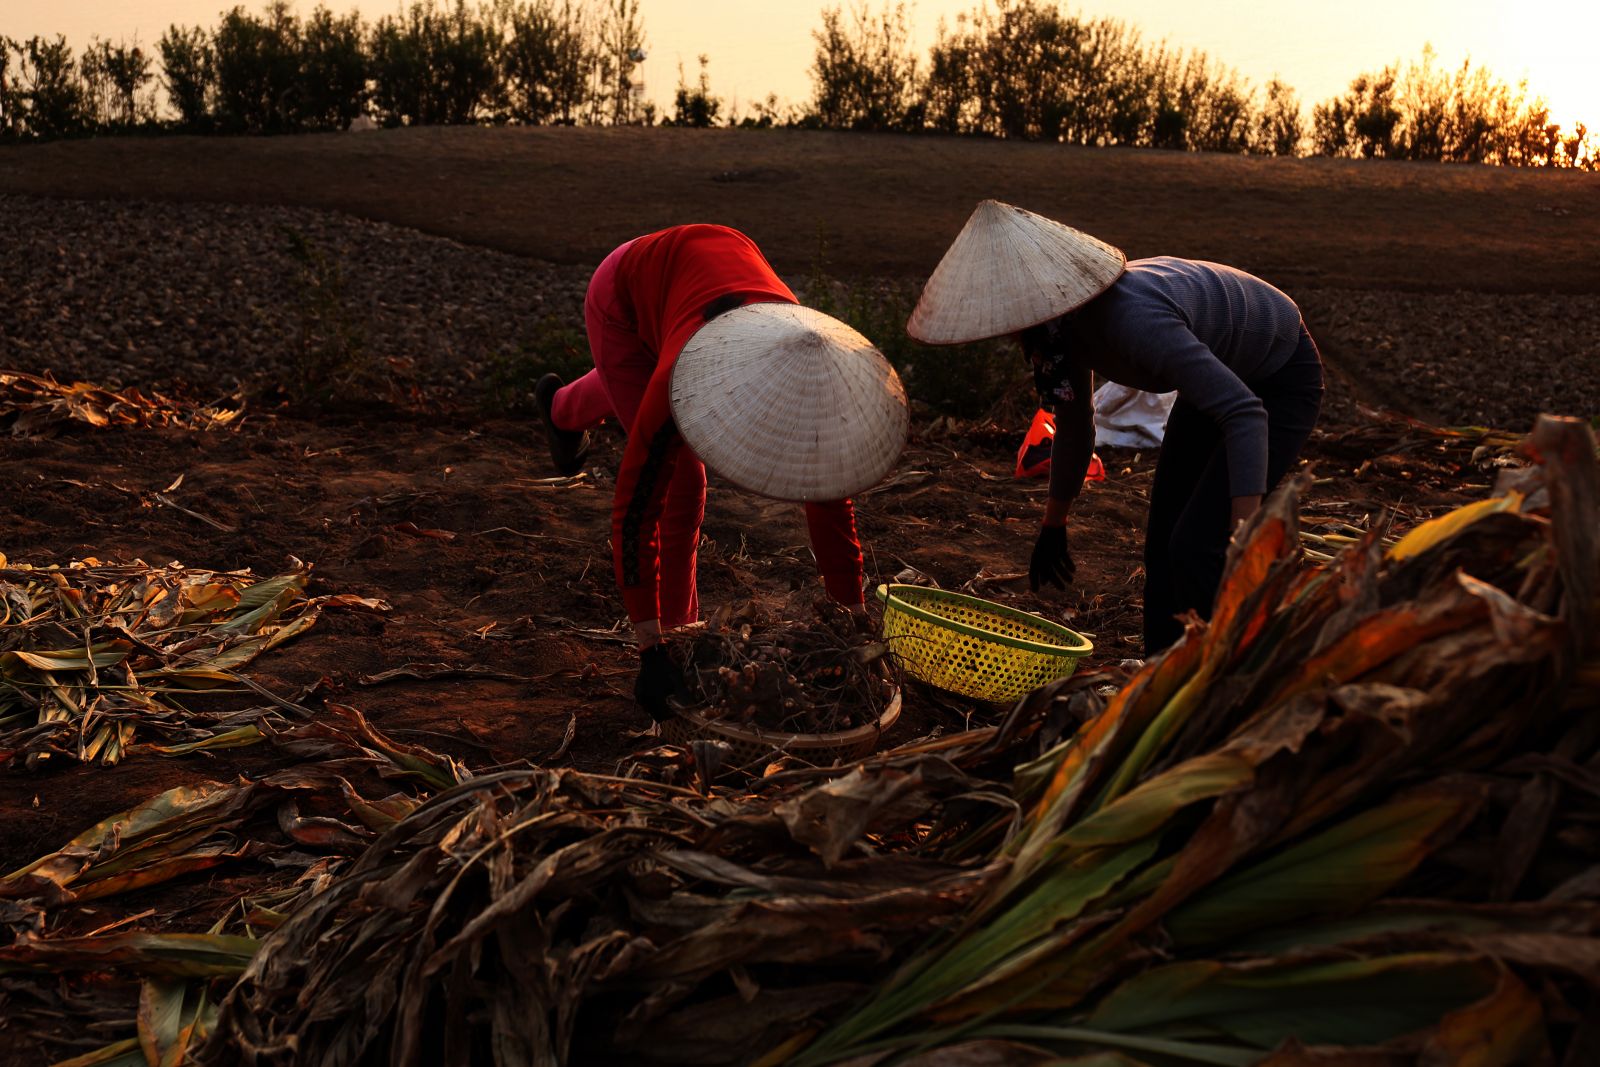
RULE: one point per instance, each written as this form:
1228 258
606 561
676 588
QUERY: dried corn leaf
172 1016
125 1053
1436 531
32 404
1265 1003
145 830
1504 1029
1156 802
89 653
1163 1050
158 955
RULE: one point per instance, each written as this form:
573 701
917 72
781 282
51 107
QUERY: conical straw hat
1007 270
787 402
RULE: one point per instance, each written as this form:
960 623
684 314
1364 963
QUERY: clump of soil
819 675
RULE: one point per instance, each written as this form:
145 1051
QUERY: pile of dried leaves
1384 438
31 404
303 824
551 916
749 666
1351 821
198 826
94 652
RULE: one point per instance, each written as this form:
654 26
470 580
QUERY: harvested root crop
804 677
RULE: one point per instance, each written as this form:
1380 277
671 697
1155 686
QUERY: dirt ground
484 564
1458 294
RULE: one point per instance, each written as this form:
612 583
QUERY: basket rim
1081 647
832 739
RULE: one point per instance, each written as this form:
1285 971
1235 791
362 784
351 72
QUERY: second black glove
660 680
1052 560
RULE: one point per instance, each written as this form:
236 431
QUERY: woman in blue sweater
1247 375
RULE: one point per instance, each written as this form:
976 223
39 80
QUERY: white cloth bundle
1130 418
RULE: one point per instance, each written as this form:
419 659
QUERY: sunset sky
761 46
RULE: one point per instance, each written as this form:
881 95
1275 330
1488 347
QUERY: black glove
660 680
1052 561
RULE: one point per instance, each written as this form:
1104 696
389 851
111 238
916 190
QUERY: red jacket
668 279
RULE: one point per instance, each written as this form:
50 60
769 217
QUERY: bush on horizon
1010 69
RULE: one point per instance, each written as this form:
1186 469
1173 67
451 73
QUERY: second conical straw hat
1007 270
790 403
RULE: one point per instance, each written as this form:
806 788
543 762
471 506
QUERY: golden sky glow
761 46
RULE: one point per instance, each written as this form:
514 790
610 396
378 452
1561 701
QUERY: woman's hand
1243 508
660 678
660 681
1052 560
648 633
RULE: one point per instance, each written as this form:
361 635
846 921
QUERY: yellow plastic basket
976 648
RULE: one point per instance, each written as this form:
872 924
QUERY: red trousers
622 369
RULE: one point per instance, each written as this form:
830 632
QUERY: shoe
568 448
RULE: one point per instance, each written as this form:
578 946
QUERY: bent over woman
697 342
1233 347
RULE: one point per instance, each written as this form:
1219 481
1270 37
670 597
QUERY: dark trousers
1186 541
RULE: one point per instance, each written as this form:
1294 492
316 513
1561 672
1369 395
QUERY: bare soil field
879 204
1416 279
1453 295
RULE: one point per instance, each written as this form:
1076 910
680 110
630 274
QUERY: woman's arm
1051 563
832 526
1073 446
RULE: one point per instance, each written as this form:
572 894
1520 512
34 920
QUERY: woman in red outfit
645 303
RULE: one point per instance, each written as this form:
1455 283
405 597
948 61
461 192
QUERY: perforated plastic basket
753 745
973 647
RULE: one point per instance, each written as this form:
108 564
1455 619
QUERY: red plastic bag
1033 458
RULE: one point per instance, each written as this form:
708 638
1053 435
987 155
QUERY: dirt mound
215 296
210 298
